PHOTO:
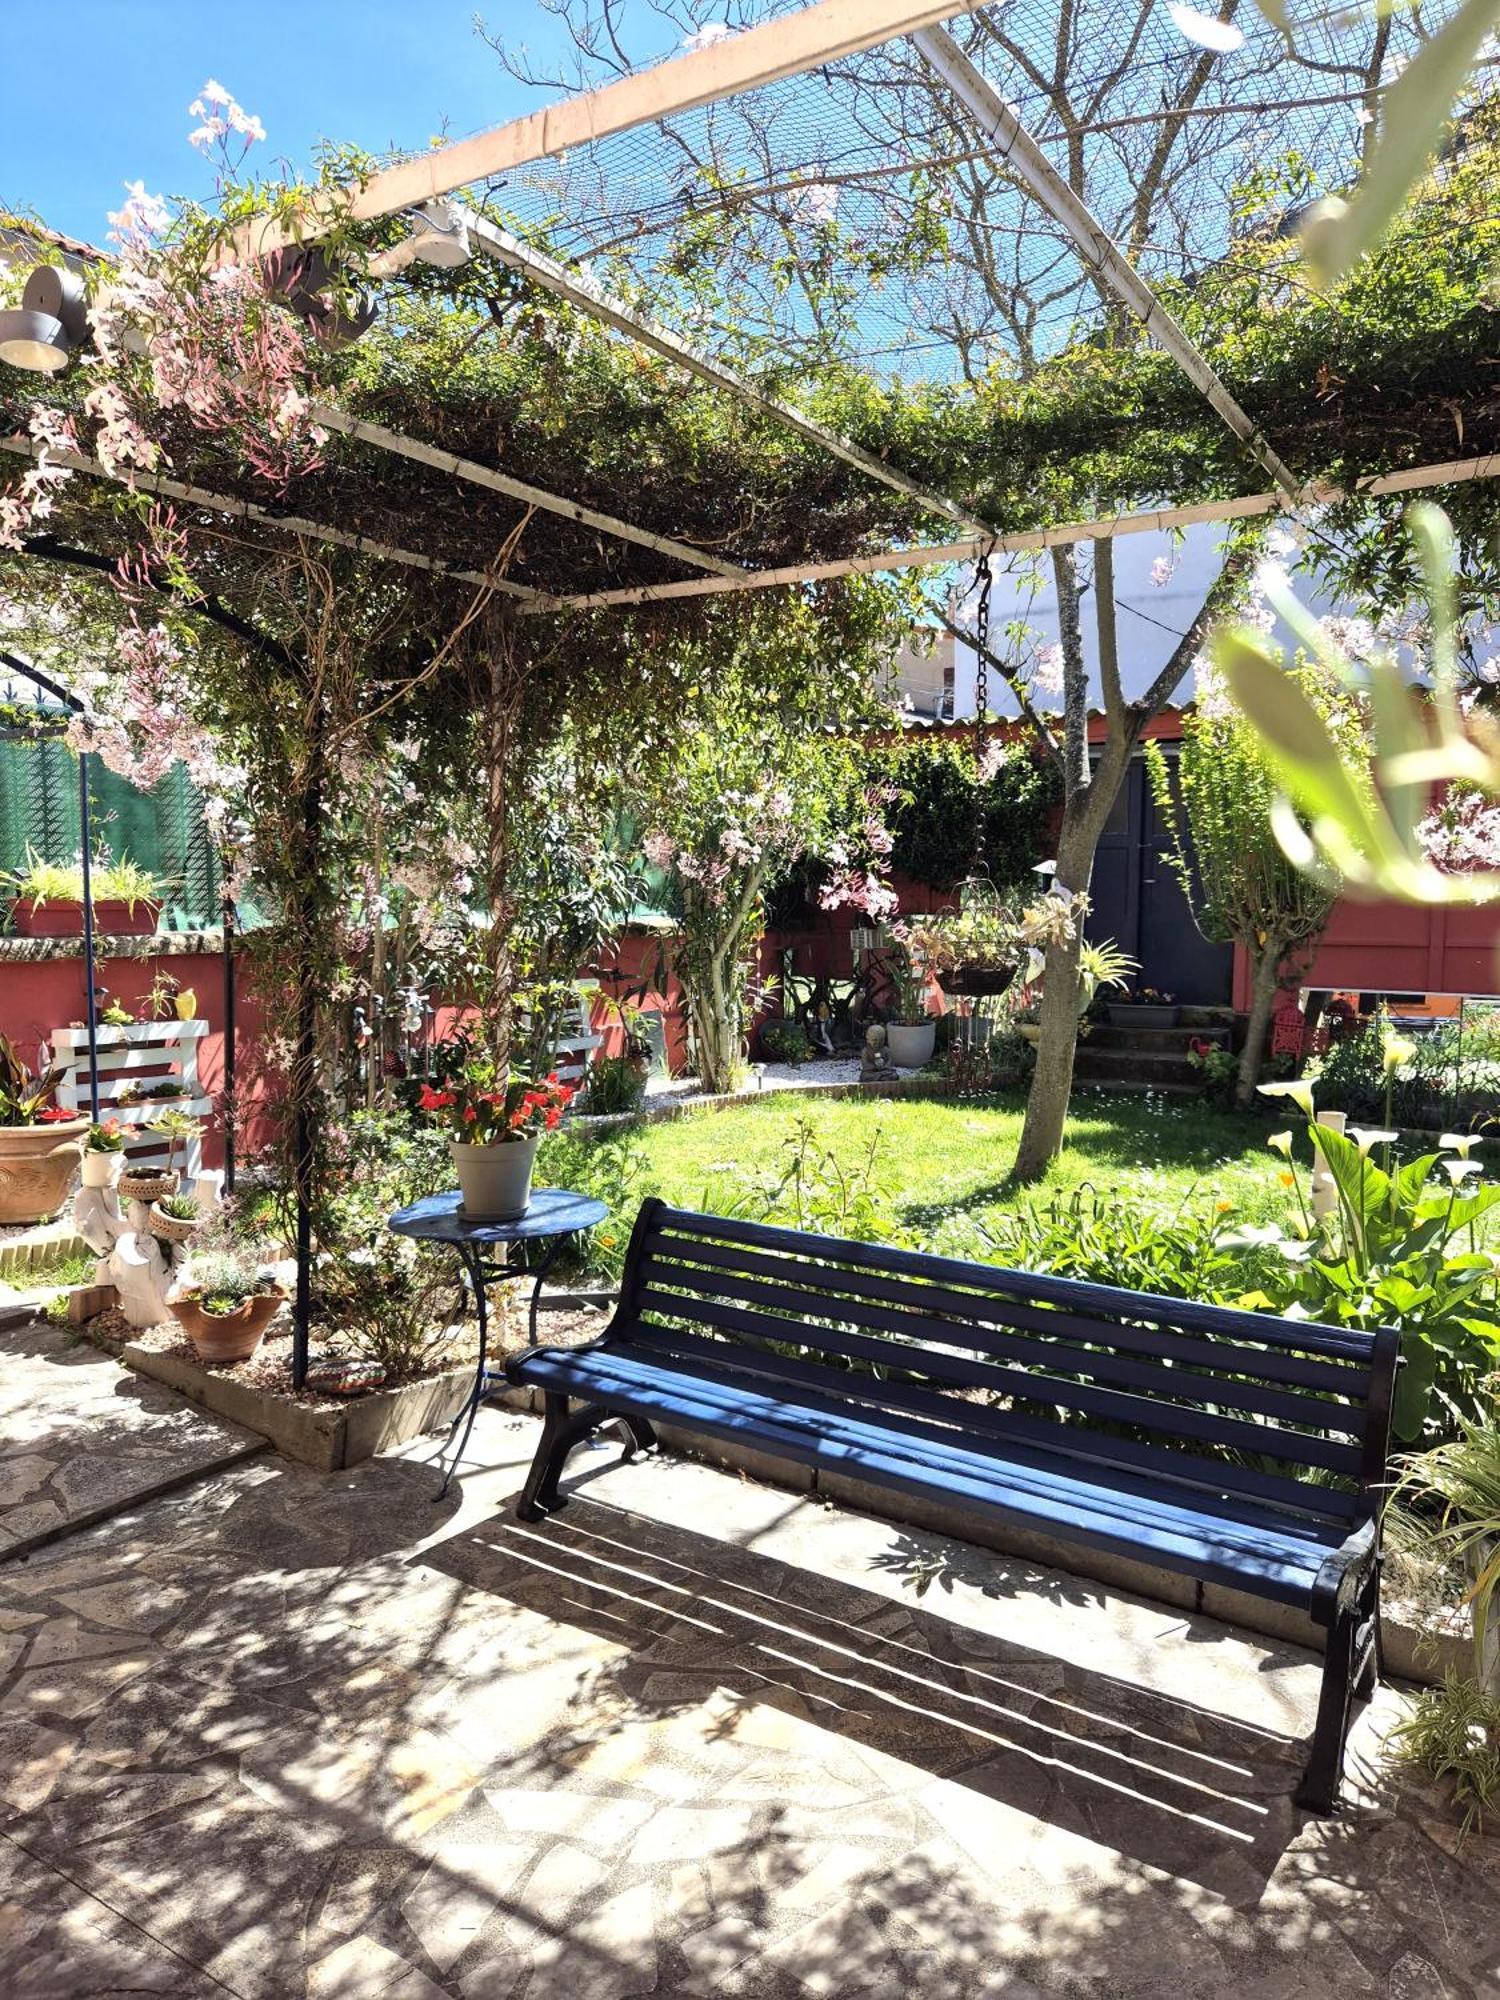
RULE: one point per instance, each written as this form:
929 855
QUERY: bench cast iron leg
1350 1668
560 1433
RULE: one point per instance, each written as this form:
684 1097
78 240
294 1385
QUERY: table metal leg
475 1270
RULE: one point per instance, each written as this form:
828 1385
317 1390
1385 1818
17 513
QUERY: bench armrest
1344 1570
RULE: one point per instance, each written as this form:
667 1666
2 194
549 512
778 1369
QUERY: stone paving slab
317 1736
81 1438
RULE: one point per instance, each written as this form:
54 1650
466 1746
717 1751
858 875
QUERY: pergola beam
1163 520
292 524
587 297
1001 125
476 474
784 47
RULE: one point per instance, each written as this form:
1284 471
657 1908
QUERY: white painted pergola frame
789 46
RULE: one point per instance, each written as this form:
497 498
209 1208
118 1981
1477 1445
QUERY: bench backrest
1234 1403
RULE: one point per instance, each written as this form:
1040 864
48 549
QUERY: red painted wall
36 999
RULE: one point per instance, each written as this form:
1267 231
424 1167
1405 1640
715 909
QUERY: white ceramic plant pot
911 1042
102 1170
495 1180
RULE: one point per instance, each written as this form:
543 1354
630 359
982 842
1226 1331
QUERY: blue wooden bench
1230 1446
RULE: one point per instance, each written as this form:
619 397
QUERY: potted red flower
495 1127
40 1143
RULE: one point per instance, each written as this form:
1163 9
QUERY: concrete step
1152 1040
1150 1067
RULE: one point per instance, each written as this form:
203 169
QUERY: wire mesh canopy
871 162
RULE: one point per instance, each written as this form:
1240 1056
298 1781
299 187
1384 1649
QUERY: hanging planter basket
977 982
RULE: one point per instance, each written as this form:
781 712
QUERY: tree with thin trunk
1239 884
902 230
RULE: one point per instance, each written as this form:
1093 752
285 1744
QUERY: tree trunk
715 1029
1265 964
1057 1043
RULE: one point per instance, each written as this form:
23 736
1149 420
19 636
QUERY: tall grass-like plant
1455 1489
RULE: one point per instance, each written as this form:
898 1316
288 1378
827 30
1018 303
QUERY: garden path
282 1734
83 1437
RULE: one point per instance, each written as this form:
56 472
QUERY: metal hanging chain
981 704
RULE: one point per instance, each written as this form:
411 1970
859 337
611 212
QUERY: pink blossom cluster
1462 832
34 494
221 116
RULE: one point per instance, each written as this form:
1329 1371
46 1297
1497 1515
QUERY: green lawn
944 1165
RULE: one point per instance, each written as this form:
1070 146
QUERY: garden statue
875 1065
116 1223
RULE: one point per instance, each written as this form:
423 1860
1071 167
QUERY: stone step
1152 1040
1133 1066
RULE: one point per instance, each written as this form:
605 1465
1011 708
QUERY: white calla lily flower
1366 1136
1296 1088
1461 1143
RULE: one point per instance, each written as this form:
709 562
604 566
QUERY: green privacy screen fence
161 830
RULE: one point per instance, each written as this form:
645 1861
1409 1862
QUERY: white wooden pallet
159 1048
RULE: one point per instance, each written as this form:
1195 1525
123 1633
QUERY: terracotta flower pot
37 1165
59 919
496 1180
173 1228
225 1336
148 1183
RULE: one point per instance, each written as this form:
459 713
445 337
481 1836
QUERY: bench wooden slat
1053 1358
1109 1301
1118 1406
1267 1362
997 1430
1104 1507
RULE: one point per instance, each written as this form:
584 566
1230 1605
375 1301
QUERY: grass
75 1270
941 1161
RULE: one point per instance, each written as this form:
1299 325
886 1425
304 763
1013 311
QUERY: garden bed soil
324 1431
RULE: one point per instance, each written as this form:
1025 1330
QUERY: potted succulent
911 1032
175 1218
1144 1007
103 1154
47 900
226 1309
40 1143
179 1129
495 1125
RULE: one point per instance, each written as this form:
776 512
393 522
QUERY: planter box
1129 1014
58 919
327 1437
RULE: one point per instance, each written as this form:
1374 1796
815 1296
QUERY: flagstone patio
284 1734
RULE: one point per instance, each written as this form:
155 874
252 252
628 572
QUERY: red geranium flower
55 1115
435 1100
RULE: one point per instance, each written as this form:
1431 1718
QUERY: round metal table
552 1216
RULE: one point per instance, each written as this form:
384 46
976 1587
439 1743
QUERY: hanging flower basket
977 982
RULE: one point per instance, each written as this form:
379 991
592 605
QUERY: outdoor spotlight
439 236
52 319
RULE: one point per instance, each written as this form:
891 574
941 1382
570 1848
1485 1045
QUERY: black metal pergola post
91 1011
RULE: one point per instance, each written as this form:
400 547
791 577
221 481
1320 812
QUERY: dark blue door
1138 901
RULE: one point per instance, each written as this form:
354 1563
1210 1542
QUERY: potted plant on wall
1144 1007
40 1143
495 1127
225 1310
47 899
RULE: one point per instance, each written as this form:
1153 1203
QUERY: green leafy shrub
612 1167
613 1086
811 1188
784 1041
1400 1249
1090 1233
397 1301
934 820
1453 1732
1448 1078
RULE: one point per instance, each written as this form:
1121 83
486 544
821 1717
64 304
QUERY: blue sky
95 92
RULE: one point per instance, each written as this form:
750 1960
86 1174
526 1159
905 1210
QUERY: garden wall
42 989
1384 947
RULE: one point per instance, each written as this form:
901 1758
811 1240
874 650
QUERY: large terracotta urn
37 1165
